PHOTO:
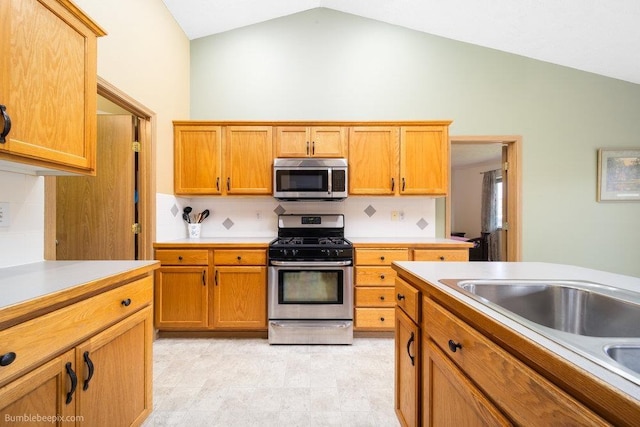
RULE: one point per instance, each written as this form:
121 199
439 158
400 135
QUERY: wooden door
407 338
450 399
240 298
197 159
248 160
48 83
46 391
181 297
292 141
424 160
328 141
95 215
115 373
373 160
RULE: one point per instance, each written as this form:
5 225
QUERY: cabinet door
292 141
48 83
240 298
181 297
449 398
114 380
46 392
424 160
407 338
328 141
373 160
197 159
248 160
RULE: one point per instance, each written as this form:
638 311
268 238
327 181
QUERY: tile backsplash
22 232
257 216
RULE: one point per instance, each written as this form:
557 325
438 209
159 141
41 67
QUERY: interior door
94 215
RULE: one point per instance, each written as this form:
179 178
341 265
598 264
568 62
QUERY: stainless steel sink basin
581 308
626 355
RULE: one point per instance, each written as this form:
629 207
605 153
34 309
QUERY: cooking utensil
186 218
187 211
203 215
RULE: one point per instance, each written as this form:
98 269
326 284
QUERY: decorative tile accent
174 210
227 223
279 210
370 210
422 224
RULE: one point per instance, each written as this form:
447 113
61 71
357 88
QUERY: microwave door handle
329 181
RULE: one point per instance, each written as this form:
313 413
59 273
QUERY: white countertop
222 240
405 240
25 282
432 272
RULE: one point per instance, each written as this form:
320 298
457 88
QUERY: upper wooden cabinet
303 141
48 85
197 157
248 159
405 160
212 159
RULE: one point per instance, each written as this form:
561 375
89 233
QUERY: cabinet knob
239 258
7 358
6 127
382 319
126 302
400 297
381 297
382 277
454 346
382 258
180 258
441 258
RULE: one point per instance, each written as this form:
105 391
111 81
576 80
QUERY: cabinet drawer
441 255
39 339
380 256
240 257
375 276
375 318
375 297
182 256
526 396
408 299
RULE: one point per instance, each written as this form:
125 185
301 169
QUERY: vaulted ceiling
597 36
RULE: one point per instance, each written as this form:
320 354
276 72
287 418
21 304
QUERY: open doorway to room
112 215
484 204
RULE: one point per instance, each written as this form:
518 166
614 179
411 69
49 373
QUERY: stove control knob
294 252
285 252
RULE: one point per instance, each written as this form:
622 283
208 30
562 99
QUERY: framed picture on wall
618 174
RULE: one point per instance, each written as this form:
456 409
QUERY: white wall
324 65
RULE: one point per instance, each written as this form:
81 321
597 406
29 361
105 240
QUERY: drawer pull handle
74 382
382 258
204 277
218 184
400 297
126 302
7 359
228 183
89 363
381 297
6 128
441 258
382 319
454 346
411 340
180 258
382 277
403 184
239 258
215 278
393 184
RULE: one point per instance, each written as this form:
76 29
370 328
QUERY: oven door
310 290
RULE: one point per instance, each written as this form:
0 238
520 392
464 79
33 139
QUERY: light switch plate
4 214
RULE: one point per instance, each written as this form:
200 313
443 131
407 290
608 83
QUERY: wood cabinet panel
374 319
380 256
407 352
248 159
304 141
48 83
182 256
240 298
424 160
181 297
441 254
239 257
408 299
377 296
374 276
373 160
197 159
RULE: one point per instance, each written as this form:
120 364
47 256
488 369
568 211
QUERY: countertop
358 241
28 287
433 272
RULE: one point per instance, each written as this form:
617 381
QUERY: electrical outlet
4 214
395 215
259 215
401 215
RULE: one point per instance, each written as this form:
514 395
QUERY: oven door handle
310 263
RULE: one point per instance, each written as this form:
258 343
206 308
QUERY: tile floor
247 382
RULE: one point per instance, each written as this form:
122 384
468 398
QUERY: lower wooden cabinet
240 298
103 379
407 382
181 297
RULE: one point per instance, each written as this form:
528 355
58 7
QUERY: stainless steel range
310 283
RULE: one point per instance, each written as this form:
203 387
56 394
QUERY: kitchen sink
581 308
626 355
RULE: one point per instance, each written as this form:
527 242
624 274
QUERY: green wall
326 65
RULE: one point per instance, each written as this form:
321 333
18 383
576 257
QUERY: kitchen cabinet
407 357
399 160
248 160
48 94
90 359
182 288
212 158
240 290
197 159
441 254
374 287
305 141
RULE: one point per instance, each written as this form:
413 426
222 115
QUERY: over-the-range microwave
309 179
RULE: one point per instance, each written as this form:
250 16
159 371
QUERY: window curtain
489 214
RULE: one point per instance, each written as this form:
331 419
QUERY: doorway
91 232
500 158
